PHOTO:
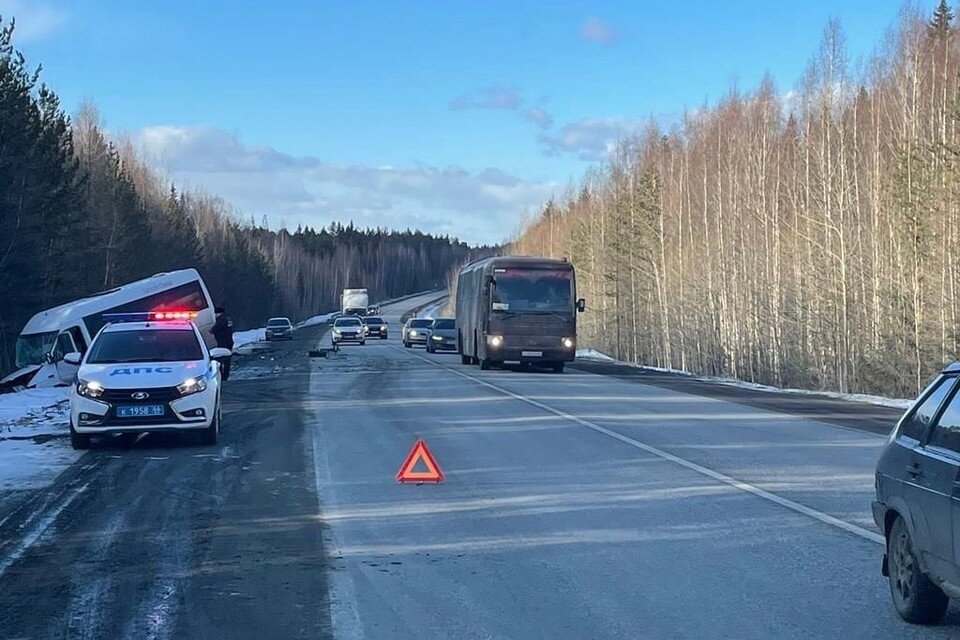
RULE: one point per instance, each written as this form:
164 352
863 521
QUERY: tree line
805 238
80 213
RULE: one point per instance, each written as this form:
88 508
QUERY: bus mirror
581 304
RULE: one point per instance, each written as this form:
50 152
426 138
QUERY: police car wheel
210 434
916 598
79 440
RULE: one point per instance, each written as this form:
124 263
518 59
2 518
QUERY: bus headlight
92 389
568 343
495 341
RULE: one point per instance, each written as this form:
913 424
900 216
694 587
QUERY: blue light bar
139 316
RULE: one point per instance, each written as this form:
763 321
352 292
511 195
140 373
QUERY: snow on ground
309 322
898 403
34 437
593 354
244 338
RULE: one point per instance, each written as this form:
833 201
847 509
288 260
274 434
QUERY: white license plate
532 354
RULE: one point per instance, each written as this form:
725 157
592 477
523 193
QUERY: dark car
279 329
348 329
376 326
918 502
443 335
416 331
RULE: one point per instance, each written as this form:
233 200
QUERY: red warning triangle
419 454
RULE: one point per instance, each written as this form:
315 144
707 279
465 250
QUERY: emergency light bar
147 316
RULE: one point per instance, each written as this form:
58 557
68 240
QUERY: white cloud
596 30
481 206
590 138
539 116
489 98
35 19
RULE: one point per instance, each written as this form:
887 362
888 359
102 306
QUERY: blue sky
455 117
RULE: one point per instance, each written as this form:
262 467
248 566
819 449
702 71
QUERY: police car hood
142 375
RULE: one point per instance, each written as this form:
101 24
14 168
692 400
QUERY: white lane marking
38 530
826 518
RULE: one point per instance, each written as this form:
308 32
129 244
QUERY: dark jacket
223 331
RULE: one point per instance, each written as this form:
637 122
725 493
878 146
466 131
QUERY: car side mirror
581 305
219 353
73 358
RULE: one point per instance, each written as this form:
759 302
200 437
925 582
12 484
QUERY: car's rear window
159 345
278 322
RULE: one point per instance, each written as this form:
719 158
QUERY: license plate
532 354
140 411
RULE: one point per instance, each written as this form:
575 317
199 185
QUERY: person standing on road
223 333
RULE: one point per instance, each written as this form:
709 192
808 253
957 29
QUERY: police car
146 372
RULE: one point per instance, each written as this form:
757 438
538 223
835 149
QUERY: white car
348 329
146 372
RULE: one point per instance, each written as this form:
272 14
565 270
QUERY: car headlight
436 337
335 332
91 389
413 333
383 327
495 341
568 343
192 385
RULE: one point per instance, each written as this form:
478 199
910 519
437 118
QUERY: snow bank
593 354
243 338
309 322
897 403
34 437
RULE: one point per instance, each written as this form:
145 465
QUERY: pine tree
942 21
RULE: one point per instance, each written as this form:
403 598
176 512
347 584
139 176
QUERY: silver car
416 331
348 329
443 335
279 329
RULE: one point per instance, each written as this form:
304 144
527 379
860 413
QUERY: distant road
592 504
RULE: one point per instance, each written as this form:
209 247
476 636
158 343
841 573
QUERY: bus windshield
32 348
532 291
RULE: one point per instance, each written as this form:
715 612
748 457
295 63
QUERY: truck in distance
354 302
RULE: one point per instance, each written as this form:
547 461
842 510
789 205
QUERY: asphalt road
574 506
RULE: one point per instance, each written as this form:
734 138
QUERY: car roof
177 325
284 318
953 367
438 319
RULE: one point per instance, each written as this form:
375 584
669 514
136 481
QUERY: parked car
279 329
917 505
416 331
443 335
376 327
348 329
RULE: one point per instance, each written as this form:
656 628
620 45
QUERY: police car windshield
155 345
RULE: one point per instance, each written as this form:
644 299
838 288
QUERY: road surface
575 506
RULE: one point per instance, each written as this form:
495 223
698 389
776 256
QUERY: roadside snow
593 354
309 322
34 437
244 338
898 403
